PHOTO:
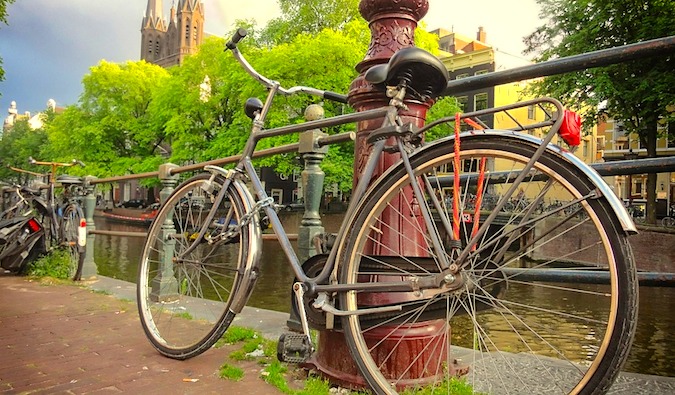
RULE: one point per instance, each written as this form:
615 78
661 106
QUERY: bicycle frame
55 225
391 118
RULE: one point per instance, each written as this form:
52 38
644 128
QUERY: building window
150 47
480 101
470 165
194 34
600 142
277 195
157 48
638 188
461 102
531 112
460 76
187 32
585 149
480 72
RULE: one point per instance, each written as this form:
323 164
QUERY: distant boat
128 216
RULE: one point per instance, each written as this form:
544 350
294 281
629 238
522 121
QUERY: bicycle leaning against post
20 232
416 276
63 218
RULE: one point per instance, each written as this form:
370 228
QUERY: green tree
16 146
308 16
3 19
111 127
203 117
203 128
638 93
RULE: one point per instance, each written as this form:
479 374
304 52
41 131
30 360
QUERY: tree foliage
17 146
133 116
111 127
310 17
639 93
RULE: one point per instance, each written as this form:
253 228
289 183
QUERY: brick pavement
65 339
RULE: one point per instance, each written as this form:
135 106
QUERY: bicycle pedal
293 348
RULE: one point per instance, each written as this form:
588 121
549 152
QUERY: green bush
54 264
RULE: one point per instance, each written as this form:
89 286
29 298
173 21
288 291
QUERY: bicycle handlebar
232 45
236 37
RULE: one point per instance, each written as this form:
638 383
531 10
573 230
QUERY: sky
48 46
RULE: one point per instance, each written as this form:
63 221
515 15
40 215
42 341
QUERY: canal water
653 350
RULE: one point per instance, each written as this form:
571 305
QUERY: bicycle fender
249 272
607 193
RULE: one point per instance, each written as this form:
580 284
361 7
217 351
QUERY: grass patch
274 374
56 264
184 315
230 372
453 386
235 334
280 374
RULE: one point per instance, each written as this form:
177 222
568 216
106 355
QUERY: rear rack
552 109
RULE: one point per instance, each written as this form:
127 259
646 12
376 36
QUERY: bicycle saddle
33 191
66 179
423 74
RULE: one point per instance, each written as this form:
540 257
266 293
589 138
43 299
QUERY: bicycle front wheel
70 223
668 222
544 303
185 290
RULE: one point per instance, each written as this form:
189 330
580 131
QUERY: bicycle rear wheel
185 298
70 222
546 303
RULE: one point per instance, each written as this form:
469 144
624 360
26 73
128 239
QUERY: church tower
168 44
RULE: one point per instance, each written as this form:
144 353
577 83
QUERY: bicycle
19 231
19 205
405 267
63 219
669 220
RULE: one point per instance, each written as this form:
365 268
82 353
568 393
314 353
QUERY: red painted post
392 26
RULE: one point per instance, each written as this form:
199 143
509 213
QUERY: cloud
50 45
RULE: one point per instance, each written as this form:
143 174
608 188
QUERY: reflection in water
652 351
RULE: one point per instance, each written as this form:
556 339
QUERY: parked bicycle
409 280
21 234
17 201
62 217
669 220
19 242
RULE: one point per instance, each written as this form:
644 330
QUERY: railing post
164 285
312 185
89 268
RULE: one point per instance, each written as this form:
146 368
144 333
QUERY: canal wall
654 250
653 247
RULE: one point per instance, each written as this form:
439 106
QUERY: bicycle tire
185 312
509 339
70 222
668 222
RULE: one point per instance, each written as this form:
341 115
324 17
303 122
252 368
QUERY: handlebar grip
236 37
335 97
